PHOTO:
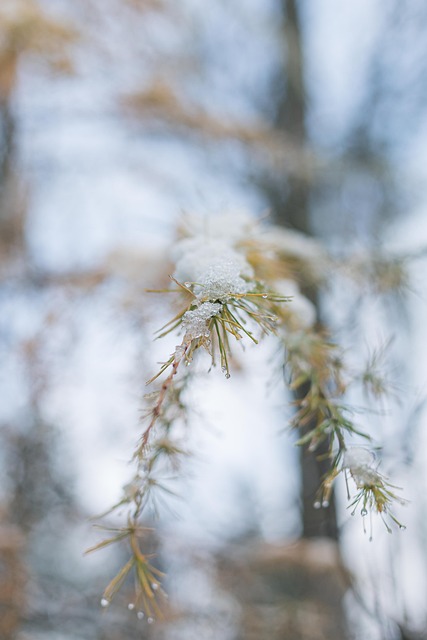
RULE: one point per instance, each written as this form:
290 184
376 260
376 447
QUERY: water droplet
140 615
228 375
364 512
265 295
317 505
187 284
154 586
325 504
150 620
402 527
104 602
131 606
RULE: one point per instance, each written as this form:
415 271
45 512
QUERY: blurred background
116 116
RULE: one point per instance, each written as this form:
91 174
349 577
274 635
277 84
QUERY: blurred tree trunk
290 194
12 207
287 591
290 201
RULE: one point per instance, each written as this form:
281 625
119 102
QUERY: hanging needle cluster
235 282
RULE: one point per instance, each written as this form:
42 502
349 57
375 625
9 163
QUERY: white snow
359 461
195 322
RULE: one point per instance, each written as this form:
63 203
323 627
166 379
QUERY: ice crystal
359 461
222 280
179 352
195 322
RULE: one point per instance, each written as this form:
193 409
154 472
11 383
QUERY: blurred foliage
27 30
320 185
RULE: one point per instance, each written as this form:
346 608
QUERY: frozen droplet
364 512
131 606
325 504
104 602
317 504
140 615
150 620
154 586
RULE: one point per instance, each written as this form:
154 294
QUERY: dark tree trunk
12 200
290 201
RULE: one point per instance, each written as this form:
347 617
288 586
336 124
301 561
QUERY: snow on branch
234 281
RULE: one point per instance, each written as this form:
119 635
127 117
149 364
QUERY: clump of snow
359 461
196 257
222 281
217 270
195 322
356 457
